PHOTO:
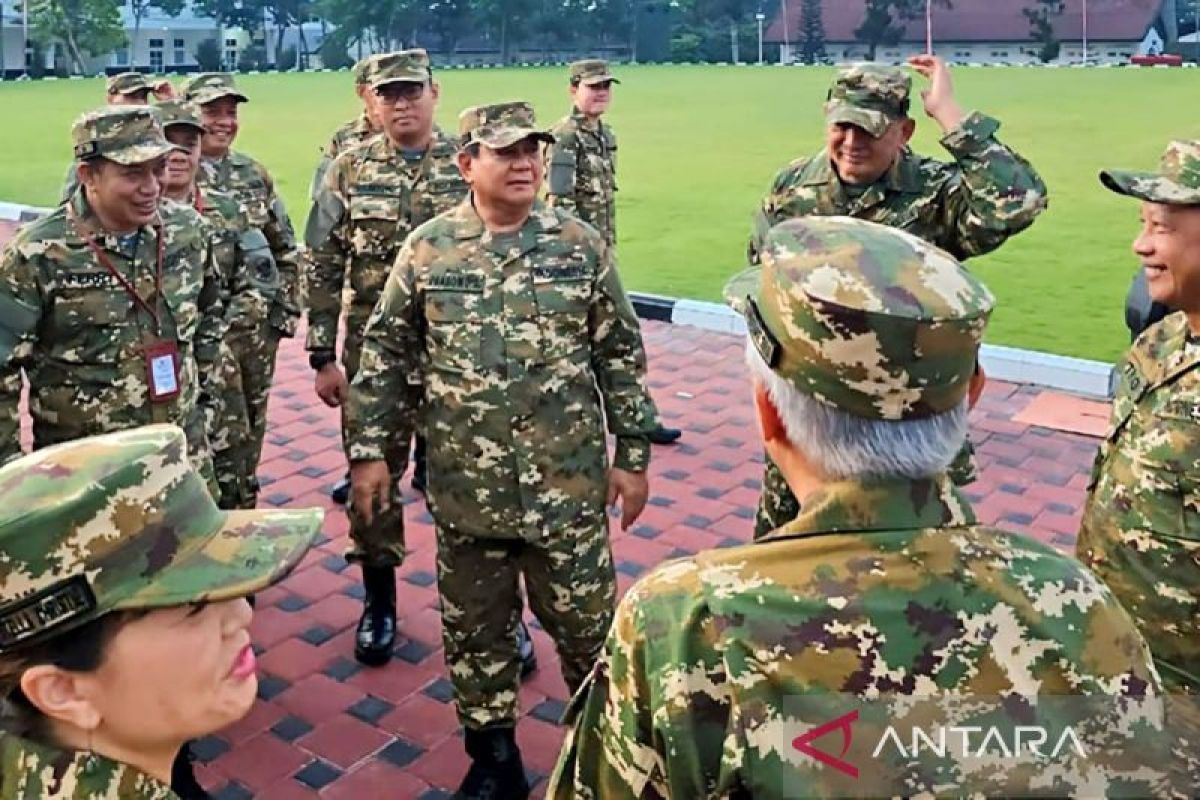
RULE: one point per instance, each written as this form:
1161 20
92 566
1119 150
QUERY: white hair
844 446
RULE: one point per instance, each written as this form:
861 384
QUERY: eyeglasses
407 91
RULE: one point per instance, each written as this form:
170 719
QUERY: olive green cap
178 112
207 87
869 96
123 521
405 66
1177 181
864 317
591 71
500 125
124 134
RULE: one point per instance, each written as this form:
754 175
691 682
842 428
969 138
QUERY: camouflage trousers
572 590
777 506
254 351
380 544
229 434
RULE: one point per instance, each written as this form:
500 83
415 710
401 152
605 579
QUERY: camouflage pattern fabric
33 771
1141 522
499 125
688 699
255 346
591 71
869 96
1177 181
372 199
250 284
124 134
572 589
347 137
507 338
205 87
967 208
129 83
73 330
581 170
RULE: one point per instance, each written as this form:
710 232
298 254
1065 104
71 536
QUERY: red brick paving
324 727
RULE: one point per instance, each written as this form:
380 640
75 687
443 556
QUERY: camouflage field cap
499 125
362 70
591 71
1177 181
405 66
177 112
128 83
209 86
124 134
123 521
864 317
869 96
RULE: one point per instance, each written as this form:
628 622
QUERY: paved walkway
324 727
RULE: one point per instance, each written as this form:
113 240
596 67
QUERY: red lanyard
105 262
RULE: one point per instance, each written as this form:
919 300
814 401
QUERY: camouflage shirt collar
82 210
468 225
1166 351
26 767
894 505
383 149
904 176
583 122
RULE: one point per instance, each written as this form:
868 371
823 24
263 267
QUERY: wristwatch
321 358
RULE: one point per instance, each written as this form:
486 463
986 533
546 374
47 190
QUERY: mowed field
699 146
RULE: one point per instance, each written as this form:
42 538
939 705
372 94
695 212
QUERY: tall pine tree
812 31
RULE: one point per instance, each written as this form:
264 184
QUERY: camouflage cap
206 87
124 134
123 521
405 66
499 125
129 83
869 96
591 71
362 70
177 112
864 317
1177 181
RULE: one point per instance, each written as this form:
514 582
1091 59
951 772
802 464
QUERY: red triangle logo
803 743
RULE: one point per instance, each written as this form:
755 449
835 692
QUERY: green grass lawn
699 146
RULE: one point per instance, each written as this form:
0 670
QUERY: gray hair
844 446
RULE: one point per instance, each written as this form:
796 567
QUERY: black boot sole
372 657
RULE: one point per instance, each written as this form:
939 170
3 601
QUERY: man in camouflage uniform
249 285
356 131
1141 521
248 181
133 514
581 165
968 208
372 198
505 327
862 348
123 89
111 306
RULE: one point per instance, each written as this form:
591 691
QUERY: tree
812 31
140 8
90 27
208 55
1041 29
884 21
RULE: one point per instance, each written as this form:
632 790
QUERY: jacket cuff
973 134
632 454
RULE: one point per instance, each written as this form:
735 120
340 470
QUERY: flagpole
929 27
1085 32
783 16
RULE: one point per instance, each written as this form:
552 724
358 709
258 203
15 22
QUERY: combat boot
496 771
376 633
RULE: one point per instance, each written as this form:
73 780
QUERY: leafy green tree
85 27
1040 14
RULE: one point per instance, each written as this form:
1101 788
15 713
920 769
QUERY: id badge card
162 370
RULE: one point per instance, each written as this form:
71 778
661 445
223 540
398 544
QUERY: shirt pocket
1167 454
436 197
454 323
375 222
563 291
89 321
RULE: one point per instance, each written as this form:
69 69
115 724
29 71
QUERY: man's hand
163 90
633 489
370 482
331 385
939 100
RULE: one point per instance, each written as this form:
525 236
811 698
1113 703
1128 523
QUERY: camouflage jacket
581 170
78 336
967 208
1141 521
347 137
34 771
512 347
249 279
885 589
250 183
371 200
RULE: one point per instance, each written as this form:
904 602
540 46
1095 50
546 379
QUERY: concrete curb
1063 373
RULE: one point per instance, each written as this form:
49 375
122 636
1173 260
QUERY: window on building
231 43
156 43
231 56
181 55
121 57
156 60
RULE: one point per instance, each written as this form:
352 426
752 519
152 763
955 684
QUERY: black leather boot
525 650
496 771
376 633
340 493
